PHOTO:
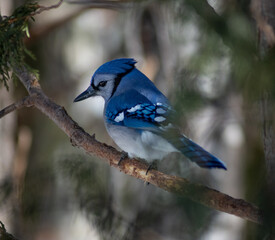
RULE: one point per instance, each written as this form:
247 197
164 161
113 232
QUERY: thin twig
39 10
41 31
101 4
42 8
25 102
136 168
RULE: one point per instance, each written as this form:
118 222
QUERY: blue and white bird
136 115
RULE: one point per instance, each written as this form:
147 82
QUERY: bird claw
122 157
148 169
152 165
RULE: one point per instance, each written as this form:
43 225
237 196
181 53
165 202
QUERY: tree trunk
264 14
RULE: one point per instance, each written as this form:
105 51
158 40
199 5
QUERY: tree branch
4 234
136 168
42 8
25 102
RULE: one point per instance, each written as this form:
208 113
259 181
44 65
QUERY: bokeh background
52 190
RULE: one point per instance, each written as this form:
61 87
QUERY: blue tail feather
198 155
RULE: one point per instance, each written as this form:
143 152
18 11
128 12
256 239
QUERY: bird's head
107 78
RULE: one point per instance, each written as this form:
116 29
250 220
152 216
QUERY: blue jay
136 115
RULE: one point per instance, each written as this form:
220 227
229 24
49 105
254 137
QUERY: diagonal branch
136 168
25 102
42 8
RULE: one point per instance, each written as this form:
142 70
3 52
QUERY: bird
137 115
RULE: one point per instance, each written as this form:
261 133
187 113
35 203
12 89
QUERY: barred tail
198 155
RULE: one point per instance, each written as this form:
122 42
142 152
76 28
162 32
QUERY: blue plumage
136 115
198 155
116 67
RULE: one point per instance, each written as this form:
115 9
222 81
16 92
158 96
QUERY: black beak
90 92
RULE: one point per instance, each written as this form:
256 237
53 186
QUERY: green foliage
13 29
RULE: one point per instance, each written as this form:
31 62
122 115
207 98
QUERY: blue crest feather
118 66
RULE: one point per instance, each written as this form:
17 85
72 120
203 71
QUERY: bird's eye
102 84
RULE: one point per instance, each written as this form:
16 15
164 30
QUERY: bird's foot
122 157
152 165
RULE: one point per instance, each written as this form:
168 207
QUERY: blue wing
133 110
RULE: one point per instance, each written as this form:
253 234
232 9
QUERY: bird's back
139 82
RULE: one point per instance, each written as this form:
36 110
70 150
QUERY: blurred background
201 55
